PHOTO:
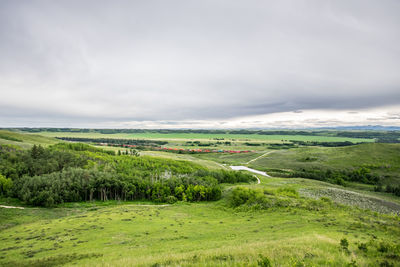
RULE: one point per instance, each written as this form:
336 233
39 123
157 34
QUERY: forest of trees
78 172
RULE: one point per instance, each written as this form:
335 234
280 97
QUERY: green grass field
195 234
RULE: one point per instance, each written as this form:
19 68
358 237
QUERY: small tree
344 244
5 185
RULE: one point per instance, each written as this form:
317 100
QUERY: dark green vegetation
79 172
169 209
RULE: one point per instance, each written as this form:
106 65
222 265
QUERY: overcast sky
194 64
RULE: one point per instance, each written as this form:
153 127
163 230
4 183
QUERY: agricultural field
157 208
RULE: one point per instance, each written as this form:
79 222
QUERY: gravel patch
353 199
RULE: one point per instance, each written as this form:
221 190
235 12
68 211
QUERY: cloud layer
101 62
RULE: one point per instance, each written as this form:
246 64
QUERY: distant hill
367 127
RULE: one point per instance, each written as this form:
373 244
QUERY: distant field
230 159
199 136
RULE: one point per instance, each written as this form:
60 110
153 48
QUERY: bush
383 247
264 261
171 199
344 244
286 191
5 185
363 247
257 199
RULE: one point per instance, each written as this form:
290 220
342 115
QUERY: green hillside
381 159
25 140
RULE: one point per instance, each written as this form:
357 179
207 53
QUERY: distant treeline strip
119 142
360 175
326 144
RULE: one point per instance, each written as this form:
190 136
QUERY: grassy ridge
25 140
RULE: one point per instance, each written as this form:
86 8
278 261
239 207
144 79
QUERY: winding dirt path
11 207
258 179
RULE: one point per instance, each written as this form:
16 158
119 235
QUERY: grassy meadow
198 234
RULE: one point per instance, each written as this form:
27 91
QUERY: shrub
171 199
257 199
264 261
385 263
363 247
383 247
344 244
287 191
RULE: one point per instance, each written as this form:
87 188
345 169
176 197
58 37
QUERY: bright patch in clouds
389 116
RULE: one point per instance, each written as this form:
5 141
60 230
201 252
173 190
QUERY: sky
199 64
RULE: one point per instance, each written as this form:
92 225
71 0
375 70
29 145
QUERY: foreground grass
196 234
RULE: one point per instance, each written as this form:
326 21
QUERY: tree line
360 175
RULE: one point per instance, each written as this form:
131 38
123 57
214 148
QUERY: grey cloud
100 61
